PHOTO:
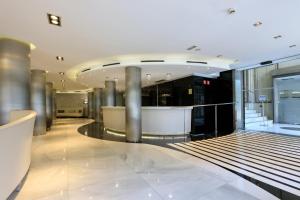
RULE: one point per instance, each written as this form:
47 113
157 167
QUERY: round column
90 105
14 77
110 93
49 104
133 100
98 92
38 100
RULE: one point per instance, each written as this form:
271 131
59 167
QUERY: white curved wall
15 150
155 120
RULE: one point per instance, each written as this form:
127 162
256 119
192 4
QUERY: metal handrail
270 88
214 104
216 112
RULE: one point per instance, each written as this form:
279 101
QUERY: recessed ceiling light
231 11
54 19
148 77
59 58
292 46
47 71
61 73
256 24
191 47
219 56
277 36
168 76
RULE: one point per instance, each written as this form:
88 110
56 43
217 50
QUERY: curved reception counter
156 121
15 150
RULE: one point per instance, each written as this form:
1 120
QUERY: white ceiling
96 29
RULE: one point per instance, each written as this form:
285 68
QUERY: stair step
250 115
258 124
248 111
255 119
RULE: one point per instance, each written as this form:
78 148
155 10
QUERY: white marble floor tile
69 166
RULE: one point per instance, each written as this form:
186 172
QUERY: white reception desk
15 150
156 121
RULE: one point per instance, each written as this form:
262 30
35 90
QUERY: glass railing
217 119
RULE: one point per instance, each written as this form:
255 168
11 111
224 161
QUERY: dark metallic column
120 98
239 115
133 100
14 77
54 104
98 101
49 104
110 93
38 100
91 105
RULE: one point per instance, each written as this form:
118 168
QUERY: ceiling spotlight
54 19
277 37
168 76
61 73
292 46
148 77
47 71
231 11
219 56
59 58
191 48
257 24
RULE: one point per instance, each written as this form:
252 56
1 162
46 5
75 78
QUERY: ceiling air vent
111 64
85 70
152 61
196 62
268 62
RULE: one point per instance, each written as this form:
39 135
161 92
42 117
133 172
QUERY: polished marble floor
96 130
67 165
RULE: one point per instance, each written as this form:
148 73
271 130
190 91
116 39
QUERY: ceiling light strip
85 70
196 62
151 61
111 64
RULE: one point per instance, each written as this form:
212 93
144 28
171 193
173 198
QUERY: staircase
254 118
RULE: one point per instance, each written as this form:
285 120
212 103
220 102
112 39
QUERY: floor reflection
96 130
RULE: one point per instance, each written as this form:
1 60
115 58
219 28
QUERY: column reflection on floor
96 130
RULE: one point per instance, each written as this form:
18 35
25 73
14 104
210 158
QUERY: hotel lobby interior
133 100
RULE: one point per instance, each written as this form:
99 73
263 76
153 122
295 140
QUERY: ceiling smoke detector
231 11
257 24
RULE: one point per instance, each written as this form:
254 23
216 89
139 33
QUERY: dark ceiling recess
196 62
151 61
268 62
110 64
88 69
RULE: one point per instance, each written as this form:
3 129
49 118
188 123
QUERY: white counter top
153 107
